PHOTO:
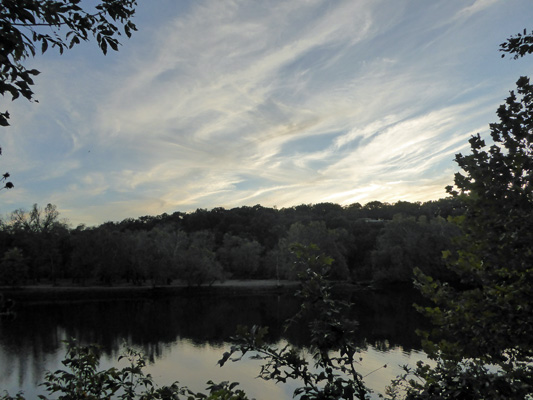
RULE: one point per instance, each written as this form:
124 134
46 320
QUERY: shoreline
50 292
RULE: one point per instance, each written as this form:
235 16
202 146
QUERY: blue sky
278 103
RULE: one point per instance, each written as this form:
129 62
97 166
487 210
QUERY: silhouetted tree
13 268
487 322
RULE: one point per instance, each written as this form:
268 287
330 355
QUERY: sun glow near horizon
238 103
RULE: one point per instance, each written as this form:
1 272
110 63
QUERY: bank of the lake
68 292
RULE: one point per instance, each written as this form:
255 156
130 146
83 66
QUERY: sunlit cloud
236 103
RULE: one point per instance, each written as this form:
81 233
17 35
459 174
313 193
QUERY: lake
184 336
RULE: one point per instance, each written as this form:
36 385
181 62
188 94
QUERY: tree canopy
519 45
487 320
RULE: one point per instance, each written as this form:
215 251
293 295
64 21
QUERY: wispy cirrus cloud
233 102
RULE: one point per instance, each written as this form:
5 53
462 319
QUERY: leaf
224 358
103 46
3 120
113 43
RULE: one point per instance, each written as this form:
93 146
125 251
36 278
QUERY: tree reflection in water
170 330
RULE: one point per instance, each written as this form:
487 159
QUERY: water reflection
185 335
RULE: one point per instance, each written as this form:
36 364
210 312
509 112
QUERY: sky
279 103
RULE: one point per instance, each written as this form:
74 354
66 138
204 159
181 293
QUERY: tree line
377 241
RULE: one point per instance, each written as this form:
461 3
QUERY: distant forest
376 242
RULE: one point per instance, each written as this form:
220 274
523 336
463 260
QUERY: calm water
185 337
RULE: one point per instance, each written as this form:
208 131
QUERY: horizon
6 218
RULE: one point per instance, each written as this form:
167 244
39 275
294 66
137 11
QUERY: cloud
279 103
474 8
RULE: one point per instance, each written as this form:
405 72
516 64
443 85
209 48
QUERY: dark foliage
518 45
482 340
240 243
